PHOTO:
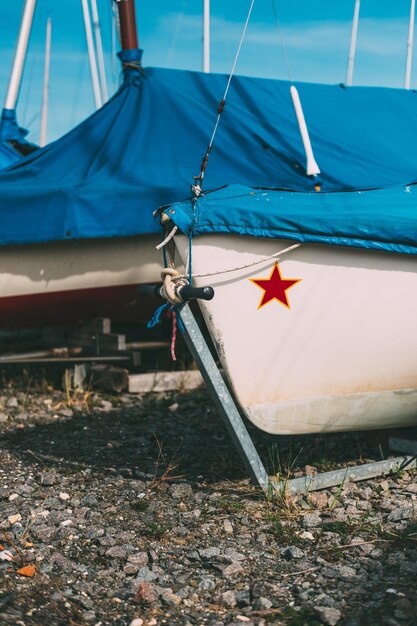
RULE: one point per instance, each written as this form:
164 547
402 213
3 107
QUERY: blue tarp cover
141 150
10 131
7 155
383 219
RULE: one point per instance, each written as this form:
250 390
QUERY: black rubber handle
150 290
191 293
186 292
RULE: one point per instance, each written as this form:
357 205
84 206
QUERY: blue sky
316 34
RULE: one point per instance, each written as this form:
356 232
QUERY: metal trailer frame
226 405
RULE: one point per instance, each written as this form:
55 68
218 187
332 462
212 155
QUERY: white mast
206 37
20 55
409 46
100 55
91 55
351 61
42 141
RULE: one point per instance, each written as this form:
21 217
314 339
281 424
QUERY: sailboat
78 234
314 272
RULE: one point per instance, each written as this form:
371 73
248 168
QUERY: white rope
167 238
248 265
171 284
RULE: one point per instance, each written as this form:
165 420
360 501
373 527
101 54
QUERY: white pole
352 50
312 168
20 55
100 55
206 37
407 80
42 141
91 55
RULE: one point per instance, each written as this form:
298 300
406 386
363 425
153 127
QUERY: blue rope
190 250
156 319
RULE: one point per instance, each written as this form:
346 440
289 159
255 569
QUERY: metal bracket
226 405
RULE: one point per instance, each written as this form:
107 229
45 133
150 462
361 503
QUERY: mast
127 19
206 37
91 54
42 141
20 55
349 75
100 55
407 80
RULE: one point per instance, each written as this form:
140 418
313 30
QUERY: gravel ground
137 511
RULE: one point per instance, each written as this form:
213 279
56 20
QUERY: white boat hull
341 356
70 281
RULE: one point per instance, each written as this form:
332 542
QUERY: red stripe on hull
121 304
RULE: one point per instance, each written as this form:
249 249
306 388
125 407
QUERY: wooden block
109 377
98 325
98 341
165 381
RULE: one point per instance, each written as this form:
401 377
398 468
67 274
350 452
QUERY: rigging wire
176 33
282 43
196 188
33 63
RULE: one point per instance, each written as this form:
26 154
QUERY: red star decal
275 287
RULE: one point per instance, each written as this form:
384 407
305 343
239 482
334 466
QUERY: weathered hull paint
69 281
342 357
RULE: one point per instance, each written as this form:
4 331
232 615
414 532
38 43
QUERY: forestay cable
196 188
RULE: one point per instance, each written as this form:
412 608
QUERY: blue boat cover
8 155
10 131
382 219
141 150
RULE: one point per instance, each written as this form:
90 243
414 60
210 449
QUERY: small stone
3 418
319 499
208 553
243 598
232 570
343 572
311 520
12 403
228 598
170 598
135 562
146 575
12 519
89 616
307 536
89 500
47 478
137 622
64 496
328 615
117 552
401 513
43 532
206 584
13 496
67 522
262 604
292 552
146 593
227 525
180 490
